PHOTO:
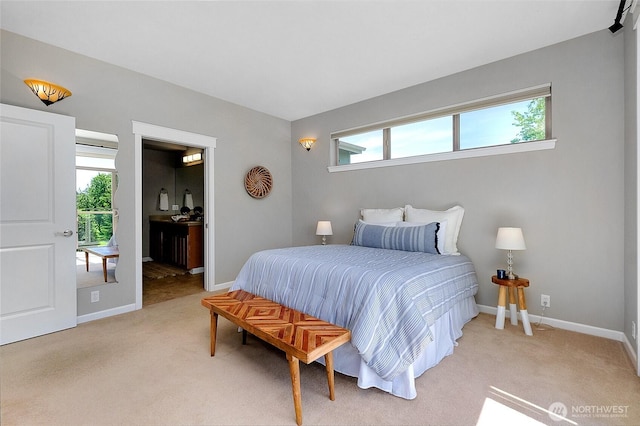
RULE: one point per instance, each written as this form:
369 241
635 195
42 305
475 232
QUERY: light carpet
152 367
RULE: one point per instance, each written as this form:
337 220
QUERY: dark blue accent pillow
422 238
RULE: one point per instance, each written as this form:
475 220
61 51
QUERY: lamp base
510 274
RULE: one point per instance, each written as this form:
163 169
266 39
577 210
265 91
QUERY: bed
405 308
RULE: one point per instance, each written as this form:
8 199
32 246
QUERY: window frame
454 111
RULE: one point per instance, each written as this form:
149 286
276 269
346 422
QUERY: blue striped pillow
422 238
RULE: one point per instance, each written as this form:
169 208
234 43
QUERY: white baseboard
222 286
132 307
565 325
630 351
579 328
106 313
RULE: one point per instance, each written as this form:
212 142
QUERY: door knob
66 233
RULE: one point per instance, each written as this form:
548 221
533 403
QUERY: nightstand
517 284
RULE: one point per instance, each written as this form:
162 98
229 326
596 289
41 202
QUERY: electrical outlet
633 329
545 300
95 296
175 208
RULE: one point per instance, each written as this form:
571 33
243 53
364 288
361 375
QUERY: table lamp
324 229
510 239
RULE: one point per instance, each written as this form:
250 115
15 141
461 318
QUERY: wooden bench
103 252
302 337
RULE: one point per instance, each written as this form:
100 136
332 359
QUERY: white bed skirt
446 330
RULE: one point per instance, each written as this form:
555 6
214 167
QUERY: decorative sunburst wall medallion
258 182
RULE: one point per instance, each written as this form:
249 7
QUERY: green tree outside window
531 122
96 197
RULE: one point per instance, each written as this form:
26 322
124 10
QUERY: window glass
422 137
511 123
94 207
361 147
515 117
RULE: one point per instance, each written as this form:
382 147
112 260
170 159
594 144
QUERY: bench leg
214 330
294 369
104 268
328 360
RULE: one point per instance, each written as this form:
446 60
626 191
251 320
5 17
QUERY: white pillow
442 233
382 216
453 216
392 224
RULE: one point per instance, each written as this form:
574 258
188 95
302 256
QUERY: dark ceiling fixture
617 26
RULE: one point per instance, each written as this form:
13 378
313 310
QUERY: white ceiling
293 59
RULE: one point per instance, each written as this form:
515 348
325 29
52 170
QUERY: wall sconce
307 142
510 239
48 93
324 229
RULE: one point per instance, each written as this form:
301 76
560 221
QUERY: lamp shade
48 93
307 143
324 228
510 239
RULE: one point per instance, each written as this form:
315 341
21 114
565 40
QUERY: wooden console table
103 252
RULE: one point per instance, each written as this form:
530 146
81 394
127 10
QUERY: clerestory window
513 118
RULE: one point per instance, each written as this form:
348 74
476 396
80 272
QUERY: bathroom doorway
150 132
173 188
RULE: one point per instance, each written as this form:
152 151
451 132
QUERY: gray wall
569 201
107 98
631 180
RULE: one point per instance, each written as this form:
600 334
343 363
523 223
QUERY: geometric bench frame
301 336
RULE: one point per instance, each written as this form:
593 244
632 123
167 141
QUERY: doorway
172 221
149 132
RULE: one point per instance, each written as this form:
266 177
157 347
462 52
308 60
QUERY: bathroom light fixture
324 229
307 142
48 93
510 239
192 157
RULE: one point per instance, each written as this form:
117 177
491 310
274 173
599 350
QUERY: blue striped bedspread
387 298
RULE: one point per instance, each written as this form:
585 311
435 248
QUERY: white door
37 223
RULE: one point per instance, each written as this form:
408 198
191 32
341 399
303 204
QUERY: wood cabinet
178 243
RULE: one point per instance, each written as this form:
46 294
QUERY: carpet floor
152 367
